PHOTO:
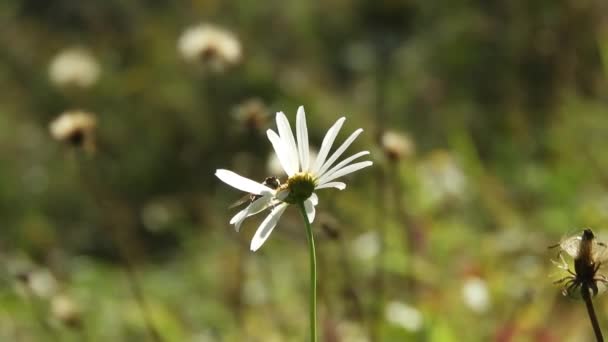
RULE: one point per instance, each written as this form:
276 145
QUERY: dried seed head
210 47
588 256
252 113
76 128
397 146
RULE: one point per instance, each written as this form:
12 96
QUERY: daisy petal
339 151
337 185
282 154
328 140
255 207
242 183
314 198
348 169
302 132
310 210
267 226
341 165
288 140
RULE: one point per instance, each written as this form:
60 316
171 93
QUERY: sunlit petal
340 165
337 185
339 151
242 183
281 152
302 132
310 210
255 207
289 142
348 169
330 136
263 232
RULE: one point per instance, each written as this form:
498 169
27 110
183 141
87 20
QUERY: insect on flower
306 173
271 182
588 255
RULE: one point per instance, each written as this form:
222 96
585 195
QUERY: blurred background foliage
486 121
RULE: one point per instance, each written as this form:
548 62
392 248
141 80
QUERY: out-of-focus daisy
476 295
305 174
39 282
209 47
442 178
75 127
404 315
74 68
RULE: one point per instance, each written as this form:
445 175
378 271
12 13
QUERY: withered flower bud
397 146
76 128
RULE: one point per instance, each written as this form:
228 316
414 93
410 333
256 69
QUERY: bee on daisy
305 175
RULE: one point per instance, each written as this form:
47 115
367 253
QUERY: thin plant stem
313 275
592 317
93 184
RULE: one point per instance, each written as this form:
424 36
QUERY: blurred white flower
156 216
404 316
476 295
74 68
75 127
305 175
39 282
442 178
65 310
366 246
397 145
351 331
210 47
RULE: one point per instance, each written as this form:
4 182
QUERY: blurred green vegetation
504 103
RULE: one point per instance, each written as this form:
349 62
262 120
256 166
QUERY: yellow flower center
300 187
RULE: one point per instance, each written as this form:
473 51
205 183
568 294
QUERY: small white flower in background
403 315
367 245
305 174
442 177
397 145
351 331
209 47
39 282
66 310
74 68
75 127
476 295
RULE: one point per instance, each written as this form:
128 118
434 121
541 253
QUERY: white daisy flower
305 174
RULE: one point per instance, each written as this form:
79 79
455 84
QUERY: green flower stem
313 275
